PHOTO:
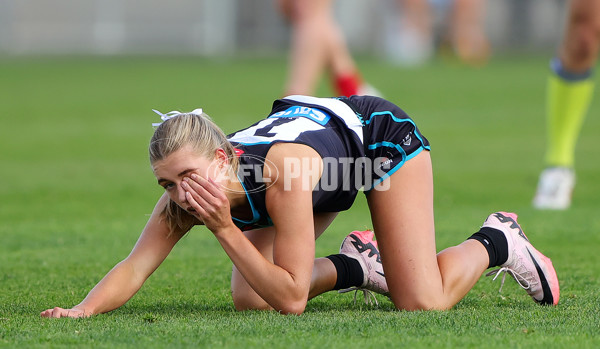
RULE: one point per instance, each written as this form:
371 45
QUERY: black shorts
391 137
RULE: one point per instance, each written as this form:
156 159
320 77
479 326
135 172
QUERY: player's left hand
209 202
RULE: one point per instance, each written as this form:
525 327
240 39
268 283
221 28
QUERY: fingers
209 185
205 193
198 207
53 313
196 195
60 312
210 204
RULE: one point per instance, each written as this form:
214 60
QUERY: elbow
290 304
293 308
294 302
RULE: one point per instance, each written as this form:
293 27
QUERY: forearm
281 289
114 290
285 282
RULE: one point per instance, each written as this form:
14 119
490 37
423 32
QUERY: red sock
347 85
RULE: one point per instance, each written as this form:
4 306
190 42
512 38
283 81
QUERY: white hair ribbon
174 113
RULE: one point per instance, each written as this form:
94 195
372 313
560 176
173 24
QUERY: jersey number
275 129
266 131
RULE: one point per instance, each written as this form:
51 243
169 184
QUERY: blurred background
233 27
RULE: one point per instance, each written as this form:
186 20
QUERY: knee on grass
244 301
419 302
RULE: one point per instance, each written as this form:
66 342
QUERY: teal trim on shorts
397 167
389 145
398 120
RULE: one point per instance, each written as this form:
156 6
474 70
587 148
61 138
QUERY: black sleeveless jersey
328 125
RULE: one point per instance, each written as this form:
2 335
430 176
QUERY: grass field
77 190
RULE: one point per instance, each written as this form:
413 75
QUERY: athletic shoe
554 189
361 246
531 269
369 90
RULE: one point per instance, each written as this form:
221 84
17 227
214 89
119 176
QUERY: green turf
77 190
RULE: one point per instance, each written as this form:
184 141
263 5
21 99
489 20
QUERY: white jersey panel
270 130
339 108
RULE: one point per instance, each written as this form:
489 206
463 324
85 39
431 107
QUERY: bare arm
128 276
284 283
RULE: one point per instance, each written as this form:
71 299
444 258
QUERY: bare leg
467 31
415 31
404 225
579 48
570 90
323 278
317 44
416 15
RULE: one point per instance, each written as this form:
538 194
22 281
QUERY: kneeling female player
269 191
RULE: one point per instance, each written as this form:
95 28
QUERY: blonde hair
205 137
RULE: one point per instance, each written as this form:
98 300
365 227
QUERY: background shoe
369 90
530 268
555 189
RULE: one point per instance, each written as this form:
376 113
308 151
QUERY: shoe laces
523 276
369 296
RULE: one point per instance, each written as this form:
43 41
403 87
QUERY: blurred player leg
467 31
569 93
317 44
415 37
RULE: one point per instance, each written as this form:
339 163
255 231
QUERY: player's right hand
60 312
